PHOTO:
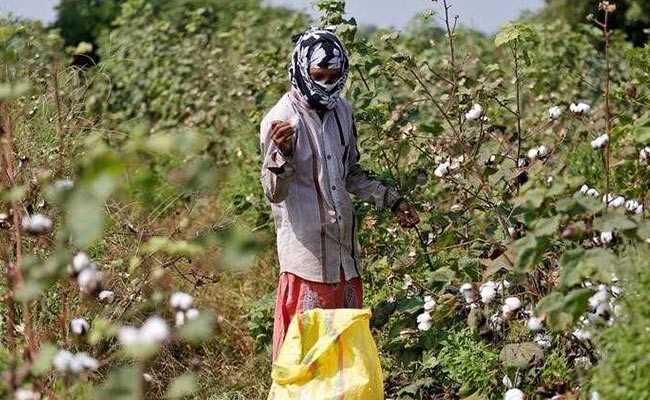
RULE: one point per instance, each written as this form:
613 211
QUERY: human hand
406 214
282 135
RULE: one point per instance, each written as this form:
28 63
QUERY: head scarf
319 48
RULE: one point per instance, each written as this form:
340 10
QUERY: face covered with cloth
319 68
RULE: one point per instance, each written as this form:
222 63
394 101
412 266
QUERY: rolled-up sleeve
277 168
363 185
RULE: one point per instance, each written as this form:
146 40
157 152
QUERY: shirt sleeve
277 168
362 184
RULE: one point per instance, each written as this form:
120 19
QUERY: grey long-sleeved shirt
309 190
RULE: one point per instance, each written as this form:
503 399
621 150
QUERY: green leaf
43 360
182 386
13 90
614 221
578 265
521 355
512 32
197 330
529 251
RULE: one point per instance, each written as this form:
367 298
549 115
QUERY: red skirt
295 295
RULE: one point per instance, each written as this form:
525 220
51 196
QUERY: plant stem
59 116
452 67
518 98
607 105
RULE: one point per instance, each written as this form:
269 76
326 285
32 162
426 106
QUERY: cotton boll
535 324
593 193
582 335
408 282
467 291
85 362
129 336
543 340
429 303
514 394
606 237
179 318
533 153
155 329
62 360
584 189
79 326
542 151
80 261
618 202
191 314
601 296
644 155
580 108
639 210
181 301
26 394
63 184
106 296
513 302
507 382
474 113
554 112
600 142
89 280
424 321
488 292
522 162
36 224
603 310
442 170
594 395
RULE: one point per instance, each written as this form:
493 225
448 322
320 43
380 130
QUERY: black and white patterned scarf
321 48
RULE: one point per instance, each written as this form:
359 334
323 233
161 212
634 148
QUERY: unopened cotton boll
36 224
554 112
535 324
155 329
106 296
181 301
514 394
429 303
79 326
474 113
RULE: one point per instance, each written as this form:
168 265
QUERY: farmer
310 167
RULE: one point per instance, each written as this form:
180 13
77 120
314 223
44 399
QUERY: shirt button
329 156
333 187
332 212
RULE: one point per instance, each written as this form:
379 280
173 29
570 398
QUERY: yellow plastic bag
328 355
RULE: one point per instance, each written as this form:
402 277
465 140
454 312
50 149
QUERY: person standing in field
310 167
